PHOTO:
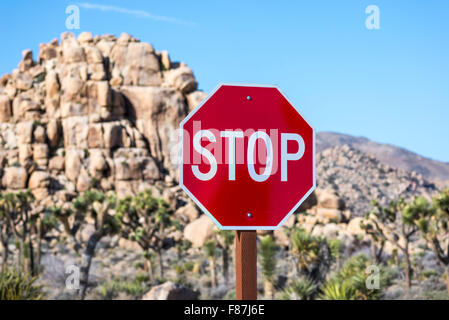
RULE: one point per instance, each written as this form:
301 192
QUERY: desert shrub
350 281
435 295
134 288
427 273
267 254
301 289
230 295
210 250
338 291
16 286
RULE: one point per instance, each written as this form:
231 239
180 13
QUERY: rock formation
94 111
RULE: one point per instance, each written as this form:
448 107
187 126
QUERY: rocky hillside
388 154
359 178
97 111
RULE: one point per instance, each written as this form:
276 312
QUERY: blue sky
390 85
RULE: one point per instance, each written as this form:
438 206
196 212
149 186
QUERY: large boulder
14 177
188 212
328 199
24 131
73 164
75 131
354 226
158 112
199 231
195 98
5 108
52 84
181 78
53 133
333 215
39 179
170 291
137 63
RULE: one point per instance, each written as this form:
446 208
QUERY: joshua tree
182 246
392 225
16 212
210 249
312 254
433 222
44 223
224 241
95 205
268 249
5 231
146 220
337 248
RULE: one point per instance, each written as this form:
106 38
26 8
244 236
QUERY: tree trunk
376 253
225 264
408 269
269 289
447 277
31 250
39 243
27 234
148 267
86 262
161 264
4 255
21 256
213 273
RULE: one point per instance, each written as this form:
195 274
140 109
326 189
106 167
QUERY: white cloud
136 13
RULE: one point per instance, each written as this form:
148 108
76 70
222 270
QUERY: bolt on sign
248 157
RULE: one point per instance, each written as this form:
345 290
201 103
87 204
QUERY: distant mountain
388 154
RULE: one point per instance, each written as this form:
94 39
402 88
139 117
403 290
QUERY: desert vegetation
309 267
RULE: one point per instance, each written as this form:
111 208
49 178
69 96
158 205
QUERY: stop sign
248 157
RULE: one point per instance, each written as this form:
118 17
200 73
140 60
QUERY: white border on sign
199 204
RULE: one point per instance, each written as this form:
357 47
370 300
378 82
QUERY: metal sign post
246 265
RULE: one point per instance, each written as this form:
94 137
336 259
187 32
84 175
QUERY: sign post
246 265
248 161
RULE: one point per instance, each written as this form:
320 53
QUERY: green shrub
429 273
268 249
435 295
15 286
349 282
188 266
135 288
230 295
338 291
302 289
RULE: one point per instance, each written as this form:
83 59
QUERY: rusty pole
246 265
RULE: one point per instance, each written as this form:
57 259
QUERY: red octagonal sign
248 157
